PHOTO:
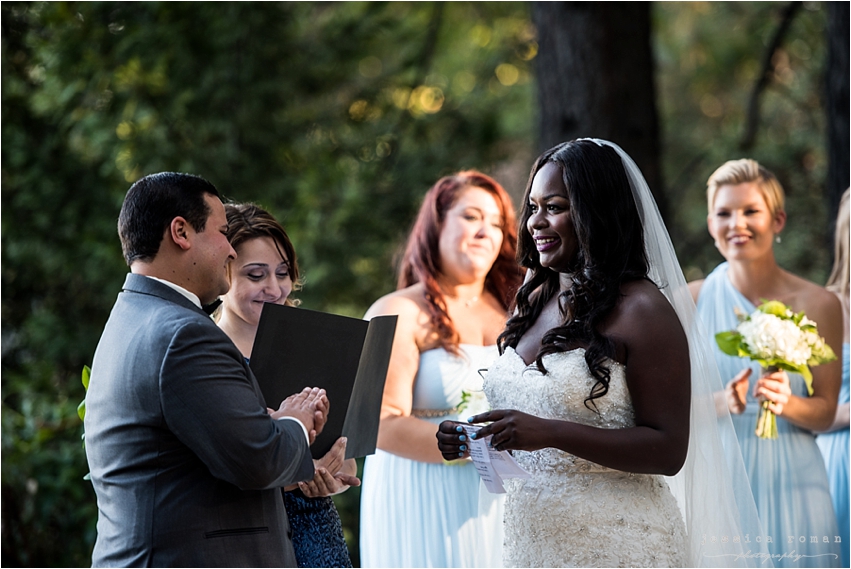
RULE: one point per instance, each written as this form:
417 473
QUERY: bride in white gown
601 390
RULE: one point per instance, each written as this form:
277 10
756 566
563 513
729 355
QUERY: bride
602 389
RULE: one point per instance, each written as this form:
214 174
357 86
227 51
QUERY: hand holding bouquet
777 338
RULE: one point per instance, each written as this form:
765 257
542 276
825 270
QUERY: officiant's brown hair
248 221
421 260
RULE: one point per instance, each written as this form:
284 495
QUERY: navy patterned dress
317 531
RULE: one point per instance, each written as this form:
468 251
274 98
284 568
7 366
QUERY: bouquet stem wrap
766 421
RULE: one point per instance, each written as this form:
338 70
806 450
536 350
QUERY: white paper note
492 465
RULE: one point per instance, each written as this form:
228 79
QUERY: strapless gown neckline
573 512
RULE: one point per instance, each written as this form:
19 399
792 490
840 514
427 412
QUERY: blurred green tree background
337 117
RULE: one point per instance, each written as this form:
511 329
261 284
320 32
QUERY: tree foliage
335 116
709 58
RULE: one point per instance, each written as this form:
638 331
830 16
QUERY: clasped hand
772 387
511 430
334 473
310 406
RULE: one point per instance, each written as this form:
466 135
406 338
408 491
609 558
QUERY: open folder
348 357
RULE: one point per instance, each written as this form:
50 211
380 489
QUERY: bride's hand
452 441
513 430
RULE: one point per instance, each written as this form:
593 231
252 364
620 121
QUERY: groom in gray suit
185 459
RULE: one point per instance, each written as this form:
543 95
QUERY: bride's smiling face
259 274
550 223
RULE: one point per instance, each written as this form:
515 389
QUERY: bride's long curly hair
611 252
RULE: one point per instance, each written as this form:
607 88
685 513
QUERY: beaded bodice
559 394
573 512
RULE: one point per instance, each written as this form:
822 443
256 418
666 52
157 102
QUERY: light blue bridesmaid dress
834 447
418 514
787 474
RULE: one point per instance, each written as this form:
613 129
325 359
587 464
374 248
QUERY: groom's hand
310 406
320 413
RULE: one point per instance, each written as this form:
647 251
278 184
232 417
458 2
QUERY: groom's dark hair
152 203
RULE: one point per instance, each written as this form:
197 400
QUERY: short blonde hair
838 280
742 171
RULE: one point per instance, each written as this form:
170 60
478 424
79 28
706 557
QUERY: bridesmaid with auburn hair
787 474
456 281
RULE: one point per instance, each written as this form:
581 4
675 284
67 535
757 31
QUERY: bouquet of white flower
473 398
473 403
777 338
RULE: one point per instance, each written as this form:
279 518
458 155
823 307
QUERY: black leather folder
348 357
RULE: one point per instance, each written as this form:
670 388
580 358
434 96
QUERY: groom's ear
179 232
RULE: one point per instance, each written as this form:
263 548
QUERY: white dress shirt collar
190 295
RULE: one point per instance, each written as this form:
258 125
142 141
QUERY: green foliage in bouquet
466 400
777 338
81 408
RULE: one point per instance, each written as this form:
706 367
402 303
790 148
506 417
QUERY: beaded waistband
432 413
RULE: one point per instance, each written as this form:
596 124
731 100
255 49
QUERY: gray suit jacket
186 463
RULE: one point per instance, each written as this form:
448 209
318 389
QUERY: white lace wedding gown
573 512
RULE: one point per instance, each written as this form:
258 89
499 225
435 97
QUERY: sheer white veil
712 488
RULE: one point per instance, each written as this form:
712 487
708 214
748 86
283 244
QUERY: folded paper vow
493 465
348 357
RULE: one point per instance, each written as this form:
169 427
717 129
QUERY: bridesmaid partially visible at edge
787 474
834 441
265 270
456 280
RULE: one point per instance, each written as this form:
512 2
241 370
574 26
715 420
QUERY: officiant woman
266 270
456 280
787 475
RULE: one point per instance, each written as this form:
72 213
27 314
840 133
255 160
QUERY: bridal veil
712 489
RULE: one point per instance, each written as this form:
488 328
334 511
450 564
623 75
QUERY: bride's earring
777 239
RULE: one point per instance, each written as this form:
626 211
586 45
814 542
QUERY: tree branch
752 116
423 65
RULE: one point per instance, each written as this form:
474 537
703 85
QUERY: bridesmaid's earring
777 239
